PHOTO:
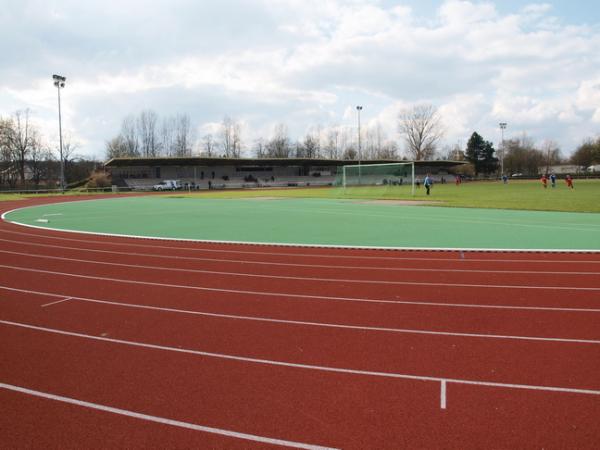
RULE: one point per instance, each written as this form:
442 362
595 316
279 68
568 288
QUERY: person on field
505 179
427 183
544 181
569 181
553 180
458 180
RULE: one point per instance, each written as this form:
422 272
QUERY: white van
167 185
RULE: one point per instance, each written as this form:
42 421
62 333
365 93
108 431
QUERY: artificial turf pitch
353 223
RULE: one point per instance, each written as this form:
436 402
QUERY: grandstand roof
198 161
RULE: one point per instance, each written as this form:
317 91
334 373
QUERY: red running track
129 343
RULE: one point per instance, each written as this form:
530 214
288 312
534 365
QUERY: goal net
393 175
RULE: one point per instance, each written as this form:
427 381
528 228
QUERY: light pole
358 110
502 128
59 82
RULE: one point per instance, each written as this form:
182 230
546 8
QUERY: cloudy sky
305 63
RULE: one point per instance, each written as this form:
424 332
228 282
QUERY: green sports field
359 218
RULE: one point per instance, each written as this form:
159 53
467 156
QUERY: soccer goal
389 175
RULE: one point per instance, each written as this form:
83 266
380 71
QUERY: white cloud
301 62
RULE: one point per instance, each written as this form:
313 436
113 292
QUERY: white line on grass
304 366
296 244
310 279
282 264
161 420
320 324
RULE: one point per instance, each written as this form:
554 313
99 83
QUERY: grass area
519 195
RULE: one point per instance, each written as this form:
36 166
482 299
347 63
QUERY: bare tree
116 148
551 153
208 145
149 143
130 136
231 138
20 138
422 130
183 136
279 145
237 140
333 142
259 148
167 136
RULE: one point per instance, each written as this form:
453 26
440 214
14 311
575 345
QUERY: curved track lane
140 343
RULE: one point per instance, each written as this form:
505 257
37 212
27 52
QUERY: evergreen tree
480 153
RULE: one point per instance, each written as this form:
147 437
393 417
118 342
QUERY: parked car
167 185
515 175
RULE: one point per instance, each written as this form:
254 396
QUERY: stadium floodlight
502 128
358 110
59 82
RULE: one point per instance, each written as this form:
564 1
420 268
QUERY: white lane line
56 303
323 246
271 362
310 279
282 264
355 299
443 394
276 294
332 325
161 420
154 246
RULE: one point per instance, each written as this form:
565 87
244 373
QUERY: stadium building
235 173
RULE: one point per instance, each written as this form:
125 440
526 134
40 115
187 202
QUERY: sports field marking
57 302
207 289
271 362
287 277
280 264
327 246
443 394
359 300
323 324
119 242
161 420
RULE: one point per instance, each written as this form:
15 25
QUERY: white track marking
325 246
161 420
330 325
304 366
59 301
443 394
281 264
359 300
299 255
287 277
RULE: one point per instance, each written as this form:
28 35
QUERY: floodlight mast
502 128
358 110
59 82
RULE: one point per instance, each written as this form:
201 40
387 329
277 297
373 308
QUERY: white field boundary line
282 264
294 244
300 255
161 420
271 362
313 324
350 299
287 277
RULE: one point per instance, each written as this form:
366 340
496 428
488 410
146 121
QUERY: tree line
26 160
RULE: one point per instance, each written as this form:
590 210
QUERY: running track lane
367 414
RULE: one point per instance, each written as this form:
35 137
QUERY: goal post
388 174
